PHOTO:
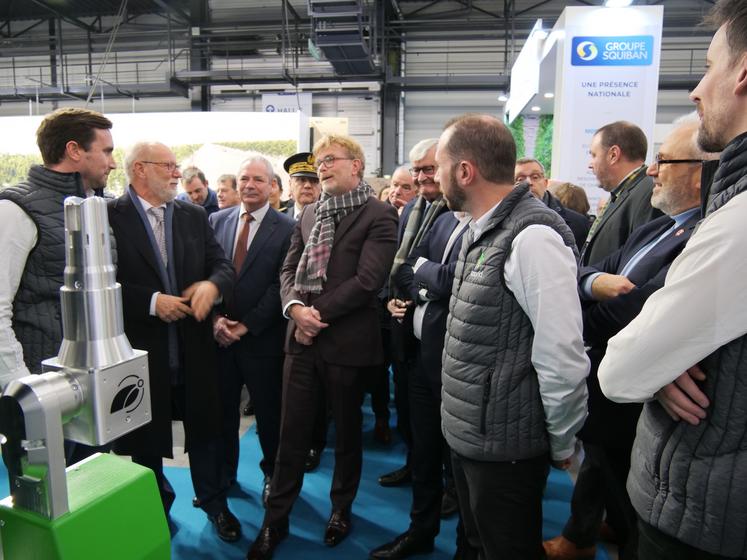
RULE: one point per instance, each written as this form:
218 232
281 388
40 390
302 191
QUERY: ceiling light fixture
549 95
536 108
503 98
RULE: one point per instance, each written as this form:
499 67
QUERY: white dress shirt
19 235
702 306
540 271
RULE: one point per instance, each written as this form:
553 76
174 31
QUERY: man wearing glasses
618 152
340 254
416 219
614 291
533 172
172 270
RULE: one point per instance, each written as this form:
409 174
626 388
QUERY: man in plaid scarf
340 256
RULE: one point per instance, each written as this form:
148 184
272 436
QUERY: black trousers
501 506
428 449
205 468
655 545
263 376
304 376
376 380
600 487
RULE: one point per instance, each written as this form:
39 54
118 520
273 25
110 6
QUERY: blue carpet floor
379 514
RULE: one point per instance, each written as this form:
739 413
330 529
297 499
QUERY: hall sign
633 50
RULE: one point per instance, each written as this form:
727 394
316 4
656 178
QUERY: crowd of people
513 323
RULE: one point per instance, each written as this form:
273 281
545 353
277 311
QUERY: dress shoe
396 478
266 543
561 548
404 546
266 490
248 410
312 460
228 527
449 503
338 527
382 432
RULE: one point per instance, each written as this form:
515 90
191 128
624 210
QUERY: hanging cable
109 46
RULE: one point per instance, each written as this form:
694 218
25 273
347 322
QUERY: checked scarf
414 232
312 267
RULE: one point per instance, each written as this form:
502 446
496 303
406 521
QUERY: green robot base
96 390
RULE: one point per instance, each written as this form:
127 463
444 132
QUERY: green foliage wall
543 145
517 131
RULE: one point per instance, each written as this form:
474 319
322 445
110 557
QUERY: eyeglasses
532 177
425 170
329 161
658 161
171 167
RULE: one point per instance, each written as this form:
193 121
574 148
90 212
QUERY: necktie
159 233
241 243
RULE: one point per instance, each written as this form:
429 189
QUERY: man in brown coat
340 255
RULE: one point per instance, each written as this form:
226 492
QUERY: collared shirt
540 271
419 312
19 234
679 219
153 222
258 216
702 306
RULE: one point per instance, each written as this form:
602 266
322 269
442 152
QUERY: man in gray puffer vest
514 366
688 476
76 147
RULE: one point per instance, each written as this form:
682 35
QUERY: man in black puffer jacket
76 146
688 476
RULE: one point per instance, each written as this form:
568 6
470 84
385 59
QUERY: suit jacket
255 300
612 424
362 253
436 278
197 256
632 209
290 210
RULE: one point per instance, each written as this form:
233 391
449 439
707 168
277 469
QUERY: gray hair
137 152
419 150
258 159
525 160
692 119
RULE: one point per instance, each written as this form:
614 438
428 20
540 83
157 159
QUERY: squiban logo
626 50
586 50
130 394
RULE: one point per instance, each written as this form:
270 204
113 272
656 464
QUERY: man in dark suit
618 152
416 219
172 270
615 290
533 172
250 333
340 254
426 277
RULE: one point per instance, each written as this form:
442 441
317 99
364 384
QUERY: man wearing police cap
304 182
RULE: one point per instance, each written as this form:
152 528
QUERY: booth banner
608 69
